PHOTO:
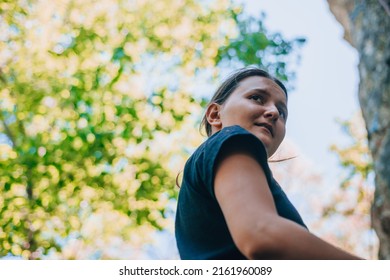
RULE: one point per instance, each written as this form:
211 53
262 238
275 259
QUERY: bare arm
258 231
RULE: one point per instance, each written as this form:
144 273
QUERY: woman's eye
257 98
282 113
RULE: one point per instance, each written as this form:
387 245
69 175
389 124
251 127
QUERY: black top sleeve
233 135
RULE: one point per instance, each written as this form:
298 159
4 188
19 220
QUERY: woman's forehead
259 83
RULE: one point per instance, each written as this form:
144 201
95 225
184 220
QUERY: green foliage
357 187
349 207
356 158
96 110
255 45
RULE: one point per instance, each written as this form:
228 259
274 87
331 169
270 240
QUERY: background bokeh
100 107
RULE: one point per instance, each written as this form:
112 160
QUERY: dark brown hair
231 83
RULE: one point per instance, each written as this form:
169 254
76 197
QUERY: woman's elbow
263 253
262 243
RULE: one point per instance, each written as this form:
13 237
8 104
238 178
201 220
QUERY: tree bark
367 28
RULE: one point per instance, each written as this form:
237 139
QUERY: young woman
230 206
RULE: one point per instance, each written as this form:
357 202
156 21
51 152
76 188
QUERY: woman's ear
213 116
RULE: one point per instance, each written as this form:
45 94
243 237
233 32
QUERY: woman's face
259 105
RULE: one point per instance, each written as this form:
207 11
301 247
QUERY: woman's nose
272 112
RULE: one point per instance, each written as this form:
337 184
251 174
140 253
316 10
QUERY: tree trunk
367 28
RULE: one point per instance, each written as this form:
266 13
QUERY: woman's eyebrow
260 90
267 93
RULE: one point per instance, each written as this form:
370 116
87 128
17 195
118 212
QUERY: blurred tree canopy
97 108
355 195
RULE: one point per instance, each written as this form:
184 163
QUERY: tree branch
8 131
385 5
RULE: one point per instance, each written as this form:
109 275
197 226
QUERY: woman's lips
268 127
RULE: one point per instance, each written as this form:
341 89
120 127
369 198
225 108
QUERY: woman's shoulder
229 131
229 135
208 152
